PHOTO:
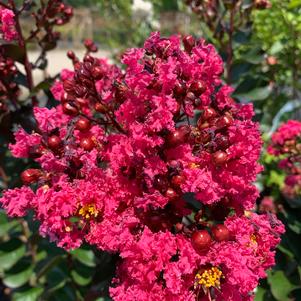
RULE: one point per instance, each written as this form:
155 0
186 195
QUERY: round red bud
54 142
197 87
170 193
99 107
87 143
178 180
201 240
83 124
30 176
179 136
70 109
220 157
220 233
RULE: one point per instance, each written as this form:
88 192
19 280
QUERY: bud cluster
8 88
155 163
50 14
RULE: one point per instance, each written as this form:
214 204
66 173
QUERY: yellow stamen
68 229
88 211
248 213
209 278
193 165
253 241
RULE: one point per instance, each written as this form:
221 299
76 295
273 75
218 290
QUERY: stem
22 44
108 115
230 46
4 5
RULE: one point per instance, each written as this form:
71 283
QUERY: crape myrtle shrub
154 163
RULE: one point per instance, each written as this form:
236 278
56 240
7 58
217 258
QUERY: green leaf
255 94
294 4
10 253
80 279
286 251
260 292
49 265
19 279
28 295
280 285
86 257
5 224
276 178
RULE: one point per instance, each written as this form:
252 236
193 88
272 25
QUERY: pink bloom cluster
156 163
7 24
286 145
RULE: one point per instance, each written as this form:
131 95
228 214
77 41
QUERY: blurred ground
59 60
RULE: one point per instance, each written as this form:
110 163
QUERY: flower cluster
286 146
156 163
7 24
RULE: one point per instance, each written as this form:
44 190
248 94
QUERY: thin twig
22 44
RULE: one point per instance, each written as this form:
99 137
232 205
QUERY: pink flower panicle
157 163
7 24
286 146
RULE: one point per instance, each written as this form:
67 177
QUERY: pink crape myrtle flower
154 162
7 24
286 146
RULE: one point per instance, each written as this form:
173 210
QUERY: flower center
209 278
88 211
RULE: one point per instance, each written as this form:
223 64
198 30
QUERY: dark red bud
170 193
69 11
97 72
83 124
178 180
54 142
222 142
197 88
219 157
202 124
71 55
66 97
201 240
99 107
179 89
190 97
70 109
161 182
30 176
89 58
68 85
179 227
179 136
199 215
189 43
37 151
221 233
87 143
82 102
224 121
208 114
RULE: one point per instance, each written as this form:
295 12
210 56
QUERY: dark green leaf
281 287
31 294
86 257
18 279
10 253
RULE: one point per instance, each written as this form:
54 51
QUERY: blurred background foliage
261 47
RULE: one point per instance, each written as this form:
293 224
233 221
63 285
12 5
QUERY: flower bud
30 176
201 240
